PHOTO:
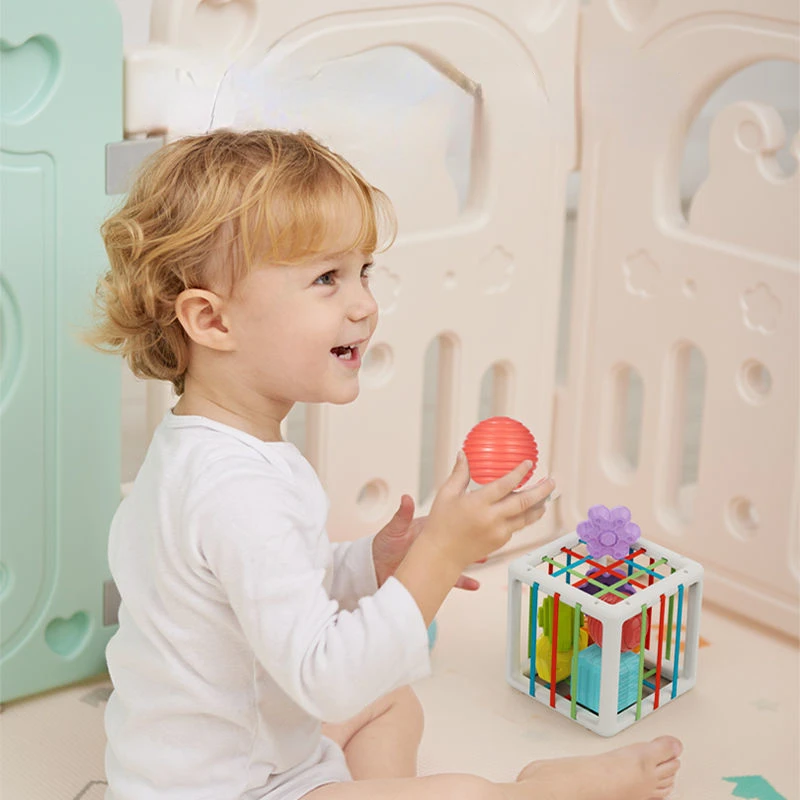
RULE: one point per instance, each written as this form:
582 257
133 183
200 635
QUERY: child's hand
391 543
464 527
468 526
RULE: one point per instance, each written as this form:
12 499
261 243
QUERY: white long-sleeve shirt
241 625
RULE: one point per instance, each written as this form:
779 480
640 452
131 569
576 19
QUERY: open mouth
346 352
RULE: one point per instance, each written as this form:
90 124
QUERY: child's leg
382 741
639 772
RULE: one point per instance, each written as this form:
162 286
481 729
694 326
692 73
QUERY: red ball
496 445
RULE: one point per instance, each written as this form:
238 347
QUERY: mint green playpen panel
60 104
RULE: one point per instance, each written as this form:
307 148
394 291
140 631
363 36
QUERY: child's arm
390 545
354 572
362 566
464 527
258 553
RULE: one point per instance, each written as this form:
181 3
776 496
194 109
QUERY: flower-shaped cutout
642 274
608 532
761 309
385 286
497 270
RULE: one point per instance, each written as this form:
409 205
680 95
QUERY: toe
666 748
668 769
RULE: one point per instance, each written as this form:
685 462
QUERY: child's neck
196 402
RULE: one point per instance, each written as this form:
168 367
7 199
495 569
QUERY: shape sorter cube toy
626 624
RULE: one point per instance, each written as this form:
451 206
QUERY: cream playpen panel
661 293
484 284
671 295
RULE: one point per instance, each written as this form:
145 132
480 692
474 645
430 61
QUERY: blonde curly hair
211 207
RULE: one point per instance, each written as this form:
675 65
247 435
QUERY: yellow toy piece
544 655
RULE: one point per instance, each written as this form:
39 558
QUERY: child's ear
200 312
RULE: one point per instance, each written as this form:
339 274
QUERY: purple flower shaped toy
608 532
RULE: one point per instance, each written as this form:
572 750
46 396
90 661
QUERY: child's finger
458 480
533 514
398 524
498 489
525 518
467 583
520 502
541 490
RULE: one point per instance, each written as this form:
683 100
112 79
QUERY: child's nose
363 304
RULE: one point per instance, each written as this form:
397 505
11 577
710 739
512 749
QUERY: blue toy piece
433 630
588 693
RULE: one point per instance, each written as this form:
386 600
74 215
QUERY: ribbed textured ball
495 446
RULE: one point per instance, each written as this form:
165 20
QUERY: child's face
301 331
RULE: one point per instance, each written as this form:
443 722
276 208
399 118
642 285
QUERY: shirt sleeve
332 662
353 572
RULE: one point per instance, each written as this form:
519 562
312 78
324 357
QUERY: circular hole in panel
755 381
690 288
372 499
743 518
376 368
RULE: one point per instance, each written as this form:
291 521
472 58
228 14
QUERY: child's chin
344 395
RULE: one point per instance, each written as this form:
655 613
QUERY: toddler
256 660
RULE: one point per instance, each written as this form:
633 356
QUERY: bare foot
643 771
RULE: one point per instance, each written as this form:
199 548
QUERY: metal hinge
111 603
123 159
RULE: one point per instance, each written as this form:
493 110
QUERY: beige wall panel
652 281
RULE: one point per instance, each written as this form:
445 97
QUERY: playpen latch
123 160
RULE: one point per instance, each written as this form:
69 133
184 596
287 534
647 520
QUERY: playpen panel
192 46
712 294
485 278
28 343
59 401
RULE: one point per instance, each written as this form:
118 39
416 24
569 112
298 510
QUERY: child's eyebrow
336 259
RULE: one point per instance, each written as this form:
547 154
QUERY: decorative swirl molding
748 199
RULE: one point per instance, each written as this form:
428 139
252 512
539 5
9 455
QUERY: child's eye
366 270
327 279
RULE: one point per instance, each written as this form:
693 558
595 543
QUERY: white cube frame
667 593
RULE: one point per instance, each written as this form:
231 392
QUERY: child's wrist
439 560
428 575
